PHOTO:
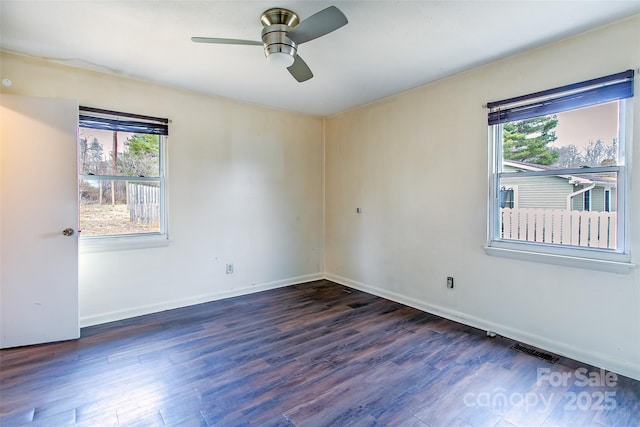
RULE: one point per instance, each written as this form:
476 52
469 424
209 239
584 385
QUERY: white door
38 201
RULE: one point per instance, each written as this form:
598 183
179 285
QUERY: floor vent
535 353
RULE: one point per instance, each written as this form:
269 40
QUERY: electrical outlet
229 268
450 282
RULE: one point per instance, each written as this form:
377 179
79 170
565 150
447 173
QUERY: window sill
608 265
121 243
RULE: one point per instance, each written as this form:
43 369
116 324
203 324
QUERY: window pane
586 137
575 210
109 207
105 152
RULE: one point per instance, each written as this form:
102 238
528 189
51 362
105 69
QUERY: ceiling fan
283 32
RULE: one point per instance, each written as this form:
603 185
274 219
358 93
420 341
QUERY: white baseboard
198 299
583 355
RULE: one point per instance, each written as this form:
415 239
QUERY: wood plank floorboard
314 354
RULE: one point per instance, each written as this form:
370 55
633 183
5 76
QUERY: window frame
89 244
616 260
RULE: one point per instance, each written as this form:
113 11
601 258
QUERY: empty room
310 213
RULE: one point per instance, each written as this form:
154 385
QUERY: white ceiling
388 46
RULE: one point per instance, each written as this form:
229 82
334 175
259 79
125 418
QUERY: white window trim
500 249
589 258
122 242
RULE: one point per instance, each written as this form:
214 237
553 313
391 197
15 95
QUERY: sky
577 127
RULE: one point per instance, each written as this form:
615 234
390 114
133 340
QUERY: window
121 174
586 201
564 149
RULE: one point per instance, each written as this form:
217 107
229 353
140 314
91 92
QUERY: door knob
68 232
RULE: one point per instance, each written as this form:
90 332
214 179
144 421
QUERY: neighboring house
564 192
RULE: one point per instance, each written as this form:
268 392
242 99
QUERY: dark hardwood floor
316 354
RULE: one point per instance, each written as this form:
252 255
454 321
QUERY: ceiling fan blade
300 70
225 41
317 25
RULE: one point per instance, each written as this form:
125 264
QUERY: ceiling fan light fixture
281 59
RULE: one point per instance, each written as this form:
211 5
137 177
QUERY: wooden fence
577 228
143 202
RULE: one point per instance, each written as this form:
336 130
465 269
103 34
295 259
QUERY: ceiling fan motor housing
276 41
277 23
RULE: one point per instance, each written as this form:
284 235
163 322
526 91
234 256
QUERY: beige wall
241 190
416 164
